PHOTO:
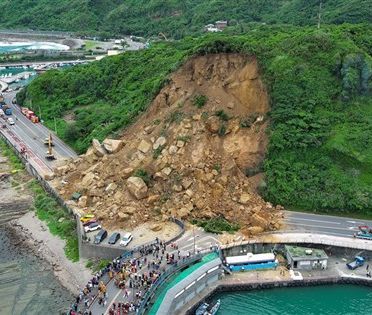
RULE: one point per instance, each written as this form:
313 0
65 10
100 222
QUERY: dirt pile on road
195 153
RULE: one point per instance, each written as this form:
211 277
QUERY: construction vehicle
49 140
356 263
49 154
365 232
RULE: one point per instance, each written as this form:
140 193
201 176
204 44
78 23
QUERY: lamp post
193 234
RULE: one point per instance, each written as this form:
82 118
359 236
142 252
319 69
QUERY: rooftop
305 253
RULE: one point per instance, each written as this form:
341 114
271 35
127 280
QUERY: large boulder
137 187
161 141
144 146
98 149
87 180
112 146
257 220
213 124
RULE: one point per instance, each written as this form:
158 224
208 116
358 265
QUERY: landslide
187 156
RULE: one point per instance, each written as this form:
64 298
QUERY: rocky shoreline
30 233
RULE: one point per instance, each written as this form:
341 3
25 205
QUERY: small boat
215 308
203 309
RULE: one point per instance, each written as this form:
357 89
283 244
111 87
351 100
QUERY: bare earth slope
180 159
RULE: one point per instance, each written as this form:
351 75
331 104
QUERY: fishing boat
203 309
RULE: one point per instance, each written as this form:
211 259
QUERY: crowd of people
132 276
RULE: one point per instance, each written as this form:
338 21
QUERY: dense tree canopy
175 18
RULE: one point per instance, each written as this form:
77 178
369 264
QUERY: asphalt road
33 135
322 224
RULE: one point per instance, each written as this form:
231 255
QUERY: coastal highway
32 136
322 224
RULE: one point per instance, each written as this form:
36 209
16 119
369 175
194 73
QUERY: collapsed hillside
187 156
319 152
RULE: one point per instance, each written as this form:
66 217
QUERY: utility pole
320 13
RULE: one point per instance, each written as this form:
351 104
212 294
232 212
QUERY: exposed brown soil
196 157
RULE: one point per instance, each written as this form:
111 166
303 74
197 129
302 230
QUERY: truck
365 232
30 114
356 263
7 109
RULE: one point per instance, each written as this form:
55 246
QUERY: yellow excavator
49 154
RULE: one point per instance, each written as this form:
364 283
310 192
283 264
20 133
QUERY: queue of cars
90 224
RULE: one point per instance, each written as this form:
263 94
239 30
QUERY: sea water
316 300
27 286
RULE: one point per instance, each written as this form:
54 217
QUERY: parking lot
141 235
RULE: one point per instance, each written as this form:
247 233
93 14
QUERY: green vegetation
247 122
320 153
59 221
176 117
157 151
199 100
97 265
216 225
222 115
174 18
13 159
222 130
141 173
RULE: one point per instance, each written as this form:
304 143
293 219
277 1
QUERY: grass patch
222 115
58 220
146 177
97 265
8 152
157 151
199 100
217 225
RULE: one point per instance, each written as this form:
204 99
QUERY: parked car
100 236
92 227
127 238
11 121
87 217
89 222
114 238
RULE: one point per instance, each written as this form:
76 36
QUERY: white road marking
322 227
320 221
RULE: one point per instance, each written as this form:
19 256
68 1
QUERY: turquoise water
318 300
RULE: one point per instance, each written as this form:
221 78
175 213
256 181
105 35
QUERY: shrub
157 152
176 117
222 115
199 100
217 225
222 130
146 177
249 121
